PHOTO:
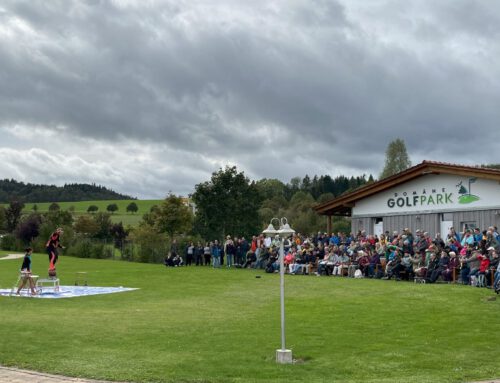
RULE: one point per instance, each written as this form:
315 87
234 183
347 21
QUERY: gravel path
14 375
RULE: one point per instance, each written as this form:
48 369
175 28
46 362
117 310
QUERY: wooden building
431 196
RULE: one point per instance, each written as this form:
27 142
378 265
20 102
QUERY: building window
468 225
447 217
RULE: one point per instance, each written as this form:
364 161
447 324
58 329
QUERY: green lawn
81 207
205 325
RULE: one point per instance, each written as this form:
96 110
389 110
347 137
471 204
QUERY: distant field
81 207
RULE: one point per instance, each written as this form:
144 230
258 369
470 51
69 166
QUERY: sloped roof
343 204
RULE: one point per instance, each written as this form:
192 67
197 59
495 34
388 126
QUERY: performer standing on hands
52 245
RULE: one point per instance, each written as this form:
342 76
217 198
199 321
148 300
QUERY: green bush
8 242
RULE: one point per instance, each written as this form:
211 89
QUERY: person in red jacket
52 246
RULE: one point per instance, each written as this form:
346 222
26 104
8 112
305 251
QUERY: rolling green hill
79 208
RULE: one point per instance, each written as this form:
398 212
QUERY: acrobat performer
52 245
26 273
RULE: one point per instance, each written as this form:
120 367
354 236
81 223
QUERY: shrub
8 242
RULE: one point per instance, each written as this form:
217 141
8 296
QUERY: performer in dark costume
52 245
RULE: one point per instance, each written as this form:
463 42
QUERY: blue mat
68 292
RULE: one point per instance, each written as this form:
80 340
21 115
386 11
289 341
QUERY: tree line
27 192
226 204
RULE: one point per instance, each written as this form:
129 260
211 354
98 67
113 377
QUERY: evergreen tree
396 158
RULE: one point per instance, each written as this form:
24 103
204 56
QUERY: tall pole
282 290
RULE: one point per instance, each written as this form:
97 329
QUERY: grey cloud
229 82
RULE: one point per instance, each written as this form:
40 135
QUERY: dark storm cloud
309 86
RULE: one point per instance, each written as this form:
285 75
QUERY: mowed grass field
204 325
81 208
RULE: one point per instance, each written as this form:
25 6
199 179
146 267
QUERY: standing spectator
198 254
230 251
216 254
189 253
207 253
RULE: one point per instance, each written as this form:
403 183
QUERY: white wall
432 193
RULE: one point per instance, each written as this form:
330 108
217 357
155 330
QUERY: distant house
431 196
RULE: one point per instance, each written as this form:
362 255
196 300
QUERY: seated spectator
374 261
432 266
418 265
449 274
406 266
494 260
262 255
173 260
442 266
363 262
474 263
483 265
300 260
326 263
250 259
353 266
341 260
393 267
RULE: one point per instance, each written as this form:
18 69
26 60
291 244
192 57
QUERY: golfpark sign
432 192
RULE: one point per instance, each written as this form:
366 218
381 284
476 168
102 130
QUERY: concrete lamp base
284 356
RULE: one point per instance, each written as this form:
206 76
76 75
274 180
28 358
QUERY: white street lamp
282 355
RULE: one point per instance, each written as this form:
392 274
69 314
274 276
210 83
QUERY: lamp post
283 355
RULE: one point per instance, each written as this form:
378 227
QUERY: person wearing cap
52 246
449 274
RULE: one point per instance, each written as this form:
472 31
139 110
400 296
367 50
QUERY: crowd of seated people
469 257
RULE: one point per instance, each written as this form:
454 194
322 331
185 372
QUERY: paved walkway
14 375
12 256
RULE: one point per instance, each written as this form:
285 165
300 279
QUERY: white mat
68 291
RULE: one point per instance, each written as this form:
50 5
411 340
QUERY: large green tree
396 158
3 220
227 204
13 215
173 216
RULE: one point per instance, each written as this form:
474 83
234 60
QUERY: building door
378 227
445 228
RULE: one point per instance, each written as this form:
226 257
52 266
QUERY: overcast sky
147 97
